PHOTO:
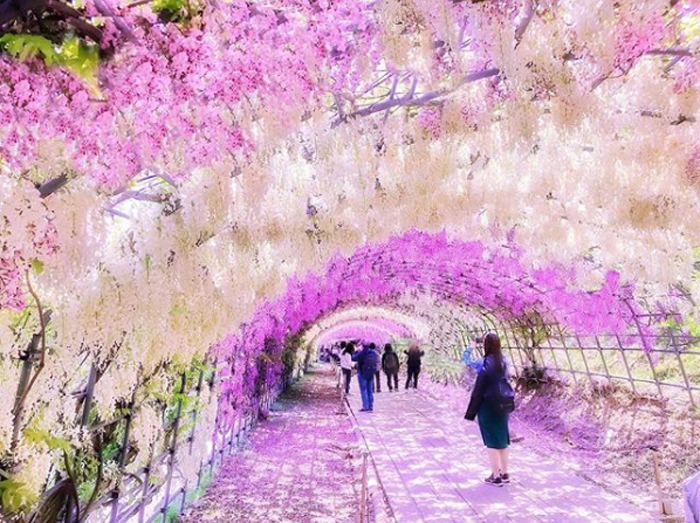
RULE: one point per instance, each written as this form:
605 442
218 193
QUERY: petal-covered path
431 463
294 467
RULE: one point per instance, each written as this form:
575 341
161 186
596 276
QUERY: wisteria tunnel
333 261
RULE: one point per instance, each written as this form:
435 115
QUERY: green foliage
173 10
172 514
111 450
37 266
19 320
73 53
15 495
86 488
36 436
172 6
24 47
79 57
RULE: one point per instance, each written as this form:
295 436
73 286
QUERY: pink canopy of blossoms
376 329
489 278
176 96
173 97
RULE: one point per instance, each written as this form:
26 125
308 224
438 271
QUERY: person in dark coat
377 375
413 364
390 366
493 424
367 364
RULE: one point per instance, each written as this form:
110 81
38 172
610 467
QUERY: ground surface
431 463
302 465
611 433
606 432
295 466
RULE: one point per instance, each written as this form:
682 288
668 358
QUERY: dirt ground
613 434
301 465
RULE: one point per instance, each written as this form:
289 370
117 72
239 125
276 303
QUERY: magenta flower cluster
174 98
490 278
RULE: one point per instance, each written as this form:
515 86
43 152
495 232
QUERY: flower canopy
178 176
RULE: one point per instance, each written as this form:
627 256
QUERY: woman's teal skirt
494 427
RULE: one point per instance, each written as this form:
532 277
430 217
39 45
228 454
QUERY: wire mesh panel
668 369
158 490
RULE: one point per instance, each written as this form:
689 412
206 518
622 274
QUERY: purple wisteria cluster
488 278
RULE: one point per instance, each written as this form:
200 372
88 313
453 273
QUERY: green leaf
169 9
177 309
37 436
37 265
30 46
74 54
15 495
79 57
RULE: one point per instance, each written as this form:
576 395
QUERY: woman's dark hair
388 347
372 346
492 347
350 347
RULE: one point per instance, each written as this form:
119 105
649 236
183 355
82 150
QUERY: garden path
431 464
294 468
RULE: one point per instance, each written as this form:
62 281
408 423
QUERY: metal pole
624 359
568 356
196 408
89 392
602 358
677 350
122 463
144 491
585 362
28 357
173 447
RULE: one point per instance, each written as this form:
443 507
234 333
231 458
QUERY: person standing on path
493 400
346 364
390 366
377 375
335 360
367 364
413 364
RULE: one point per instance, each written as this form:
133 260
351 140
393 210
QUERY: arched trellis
390 320
364 329
665 367
498 292
491 279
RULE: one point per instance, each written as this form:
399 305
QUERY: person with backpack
413 364
367 364
493 400
390 366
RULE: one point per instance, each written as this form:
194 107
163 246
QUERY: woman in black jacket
493 422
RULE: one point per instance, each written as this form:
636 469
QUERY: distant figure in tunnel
367 364
346 363
377 375
493 400
390 365
413 364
